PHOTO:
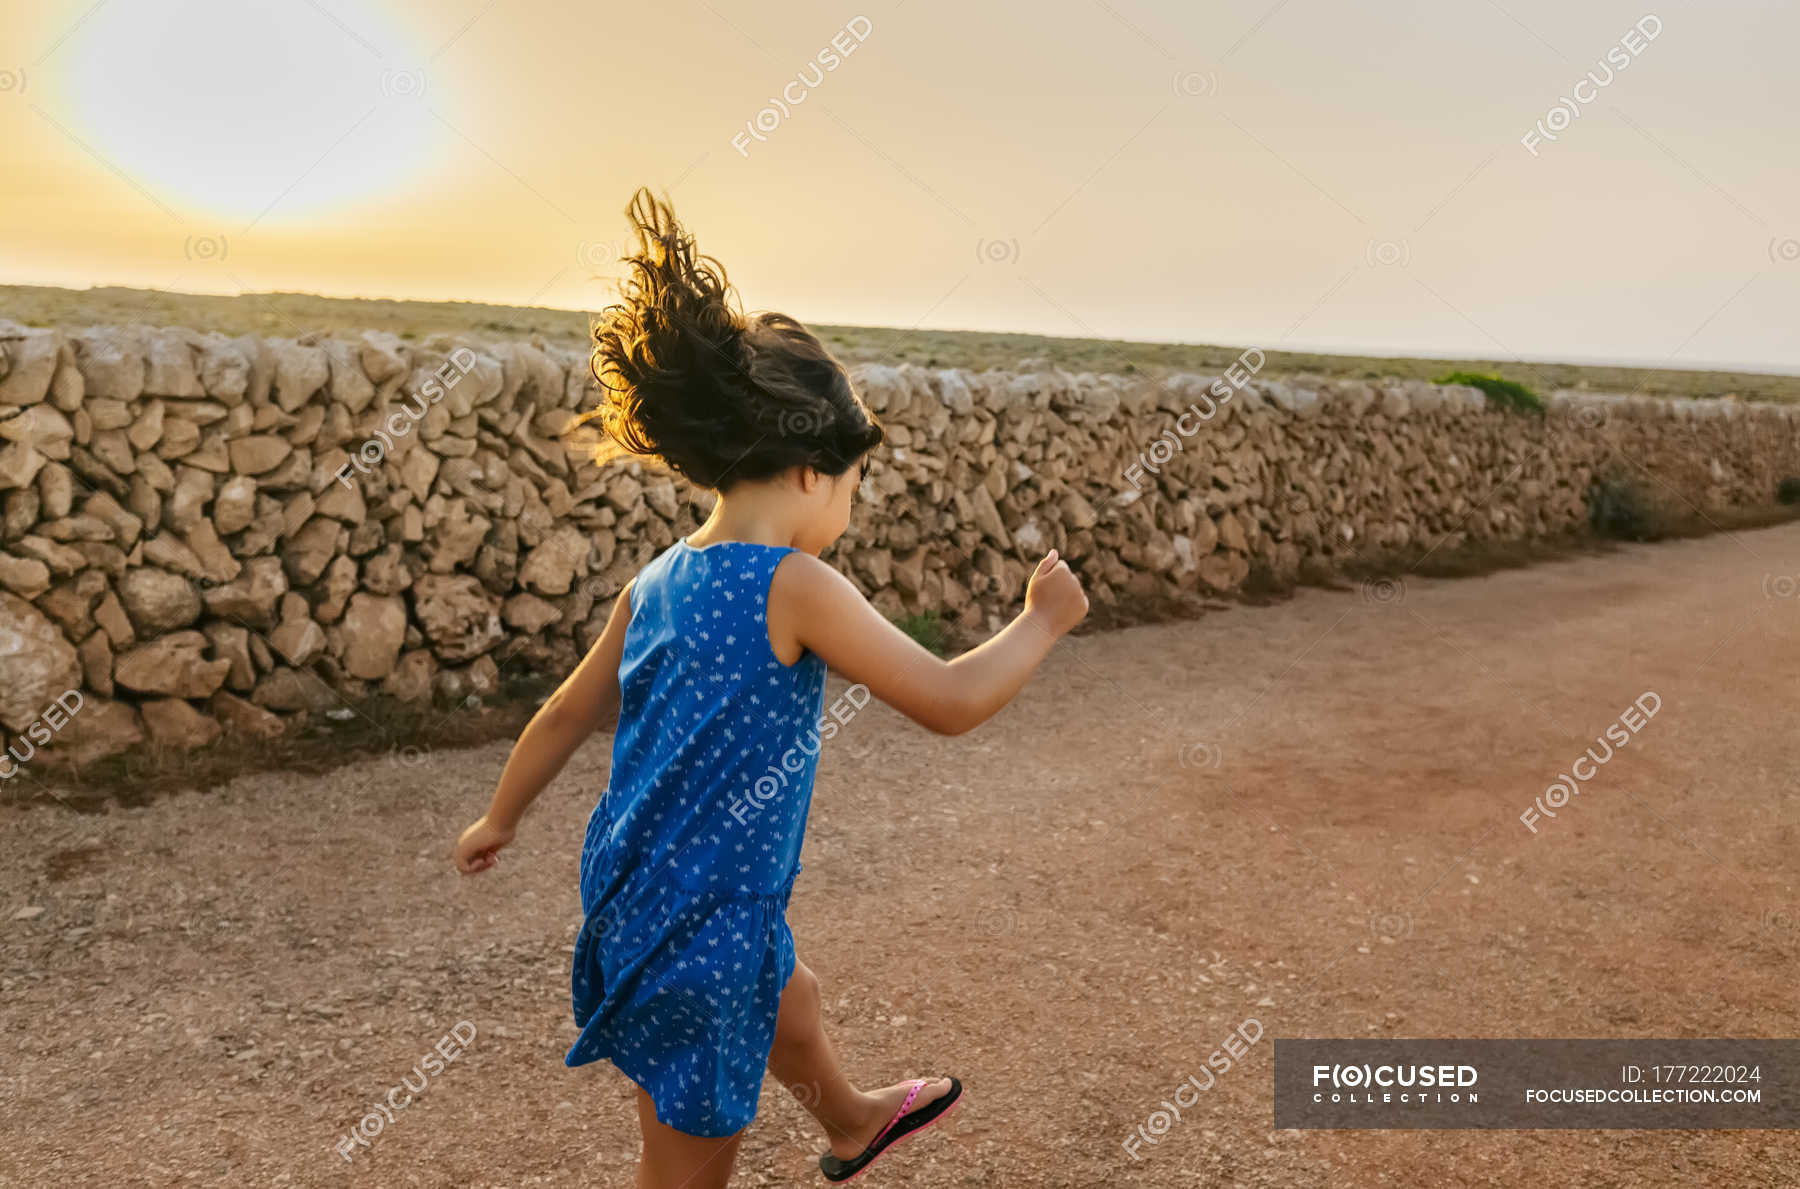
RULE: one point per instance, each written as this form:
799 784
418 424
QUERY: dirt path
1307 814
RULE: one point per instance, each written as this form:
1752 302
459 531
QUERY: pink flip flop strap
901 1113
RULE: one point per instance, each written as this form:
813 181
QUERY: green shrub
928 628
1508 394
1622 510
1788 490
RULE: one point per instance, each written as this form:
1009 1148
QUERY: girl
713 662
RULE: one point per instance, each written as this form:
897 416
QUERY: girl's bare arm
587 701
812 606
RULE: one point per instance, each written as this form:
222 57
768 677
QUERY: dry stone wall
205 535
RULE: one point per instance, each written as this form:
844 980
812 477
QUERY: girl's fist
479 847
1054 595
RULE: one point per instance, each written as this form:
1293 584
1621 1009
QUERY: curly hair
716 395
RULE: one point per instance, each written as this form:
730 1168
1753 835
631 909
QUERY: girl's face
830 499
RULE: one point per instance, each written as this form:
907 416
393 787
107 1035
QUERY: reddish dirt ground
1306 813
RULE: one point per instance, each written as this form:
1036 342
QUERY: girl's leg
803 1060
673 1159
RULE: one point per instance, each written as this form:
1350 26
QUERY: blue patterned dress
691 853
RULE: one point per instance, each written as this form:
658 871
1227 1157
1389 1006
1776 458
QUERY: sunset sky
1279 173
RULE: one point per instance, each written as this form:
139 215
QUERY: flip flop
901 1126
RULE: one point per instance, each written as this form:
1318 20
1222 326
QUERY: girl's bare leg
803 1060
673 1159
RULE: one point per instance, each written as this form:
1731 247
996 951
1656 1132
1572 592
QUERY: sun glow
252 110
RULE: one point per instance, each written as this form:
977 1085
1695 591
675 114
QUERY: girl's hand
1054 596
479 847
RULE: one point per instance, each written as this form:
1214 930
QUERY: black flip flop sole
836 1169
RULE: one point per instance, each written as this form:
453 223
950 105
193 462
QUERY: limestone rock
173 723
175 664
32 355
98 729
374 630
251 598
39 663
412 678
26 577
459 617
244 719
551 568
158 601
258 454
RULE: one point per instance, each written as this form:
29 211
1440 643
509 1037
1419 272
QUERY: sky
1527 179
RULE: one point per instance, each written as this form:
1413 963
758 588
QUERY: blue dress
691 853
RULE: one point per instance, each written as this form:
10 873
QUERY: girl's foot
880 1108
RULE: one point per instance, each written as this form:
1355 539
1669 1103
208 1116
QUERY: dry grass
289 314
